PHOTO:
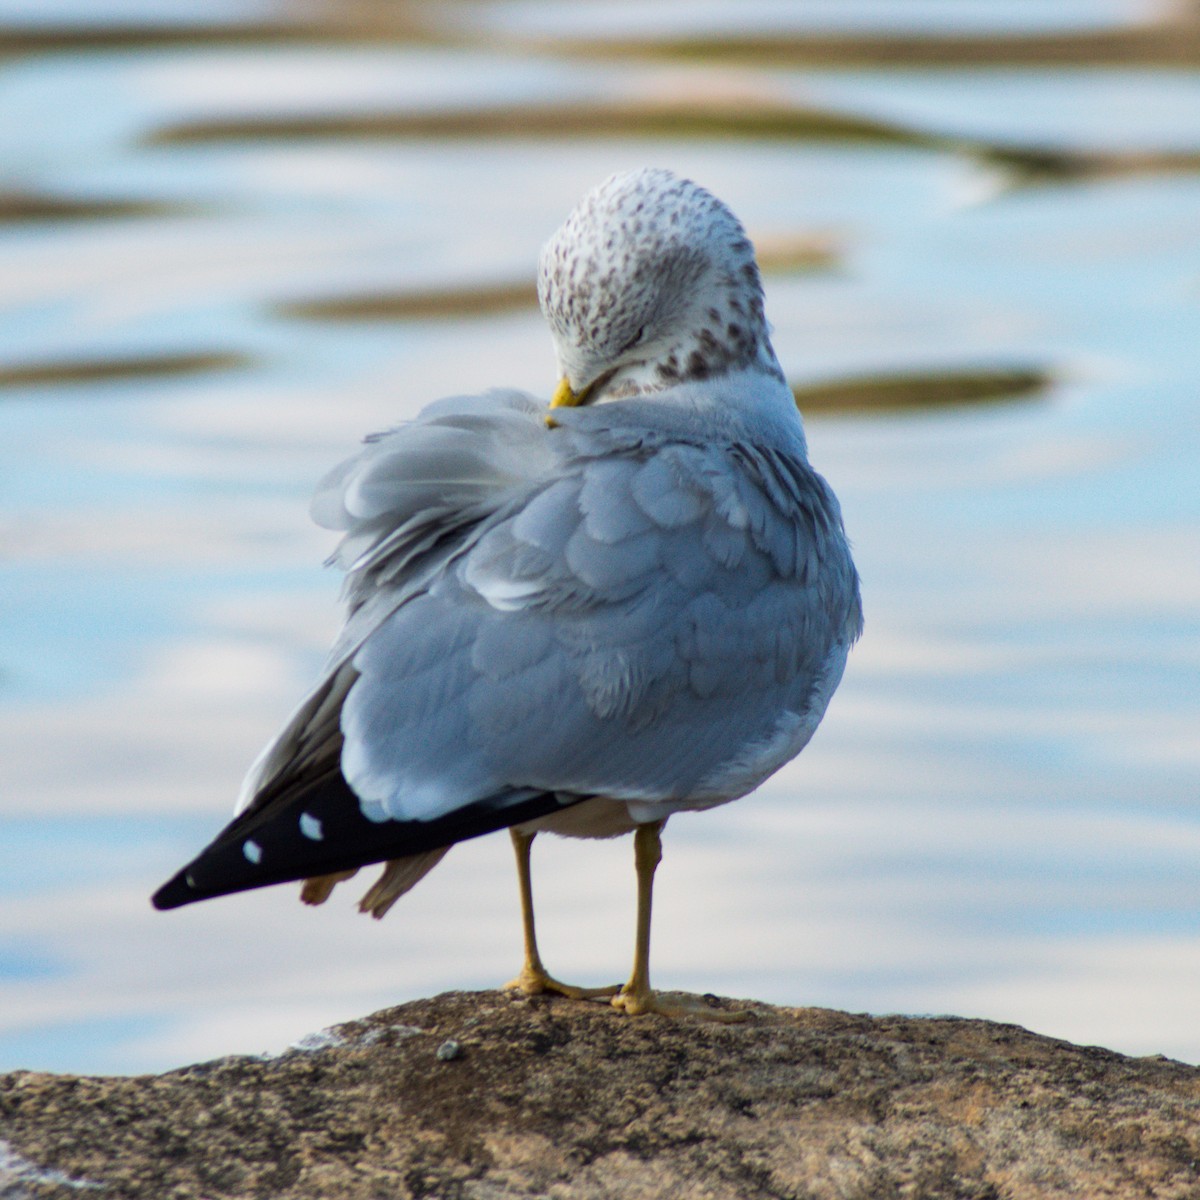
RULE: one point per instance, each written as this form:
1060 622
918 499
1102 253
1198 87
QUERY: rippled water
999 817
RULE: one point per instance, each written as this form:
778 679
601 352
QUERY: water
661 18
999 817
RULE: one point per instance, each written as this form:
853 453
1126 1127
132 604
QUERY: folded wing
610 607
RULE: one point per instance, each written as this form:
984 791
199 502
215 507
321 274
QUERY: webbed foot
535 981
637 1001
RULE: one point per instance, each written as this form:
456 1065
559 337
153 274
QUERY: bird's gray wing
662 620
410 501
609 607
405 504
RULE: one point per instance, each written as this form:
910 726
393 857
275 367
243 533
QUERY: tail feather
319 888
399 876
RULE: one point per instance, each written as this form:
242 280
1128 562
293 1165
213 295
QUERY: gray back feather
624 605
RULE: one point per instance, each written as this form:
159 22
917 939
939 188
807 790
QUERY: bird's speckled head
651 281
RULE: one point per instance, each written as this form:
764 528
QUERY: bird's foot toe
534 982
636 1002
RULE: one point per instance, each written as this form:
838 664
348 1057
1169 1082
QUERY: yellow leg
534 979
637 997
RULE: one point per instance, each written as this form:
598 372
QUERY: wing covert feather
649 612
609 607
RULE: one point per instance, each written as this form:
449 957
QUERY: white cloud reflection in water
1000 816
649 19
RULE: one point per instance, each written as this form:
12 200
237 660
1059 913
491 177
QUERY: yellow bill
564 397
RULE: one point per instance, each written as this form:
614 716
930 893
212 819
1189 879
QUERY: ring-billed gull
581 619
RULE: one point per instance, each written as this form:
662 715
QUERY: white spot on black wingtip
310 826
252 850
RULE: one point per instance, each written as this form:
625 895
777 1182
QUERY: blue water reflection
999 817
713 18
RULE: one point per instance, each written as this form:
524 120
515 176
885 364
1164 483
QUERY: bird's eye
635 340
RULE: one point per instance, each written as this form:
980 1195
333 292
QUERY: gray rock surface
550 1098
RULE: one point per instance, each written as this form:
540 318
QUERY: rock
560 1099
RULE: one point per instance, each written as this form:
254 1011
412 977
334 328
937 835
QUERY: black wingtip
175 893
185 888
322 830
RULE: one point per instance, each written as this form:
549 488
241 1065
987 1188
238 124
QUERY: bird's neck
718 348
